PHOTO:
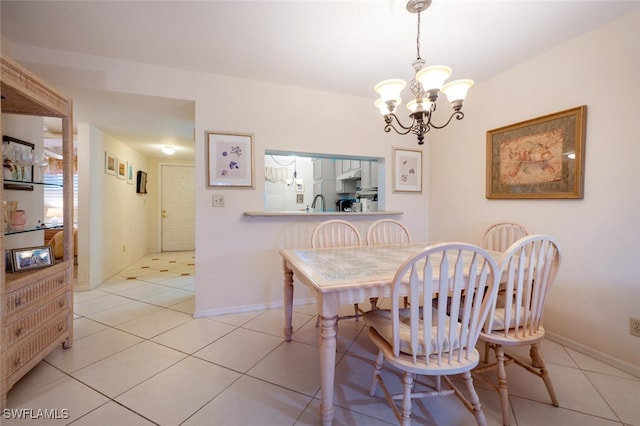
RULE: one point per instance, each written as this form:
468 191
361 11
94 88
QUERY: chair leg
544 373
376 372
487 350
357 311
474 400
406 399
406 301
374 303
502 384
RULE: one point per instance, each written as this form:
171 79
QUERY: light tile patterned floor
140 358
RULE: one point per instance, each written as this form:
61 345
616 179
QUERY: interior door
178 214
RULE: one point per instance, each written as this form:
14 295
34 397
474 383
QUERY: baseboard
249 308
628 368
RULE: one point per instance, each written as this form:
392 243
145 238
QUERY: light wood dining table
339 276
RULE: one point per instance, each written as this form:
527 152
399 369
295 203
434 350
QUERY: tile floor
139 358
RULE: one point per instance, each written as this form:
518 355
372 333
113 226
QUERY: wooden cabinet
36 307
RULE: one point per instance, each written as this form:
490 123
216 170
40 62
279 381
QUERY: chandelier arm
388 119
459 115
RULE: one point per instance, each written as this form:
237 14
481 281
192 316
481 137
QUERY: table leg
288 301
328 305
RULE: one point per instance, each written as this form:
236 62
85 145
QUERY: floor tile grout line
346 352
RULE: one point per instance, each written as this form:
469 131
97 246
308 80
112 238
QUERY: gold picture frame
230 159
407 170
538 158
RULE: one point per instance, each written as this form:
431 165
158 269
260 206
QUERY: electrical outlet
218 200
634 326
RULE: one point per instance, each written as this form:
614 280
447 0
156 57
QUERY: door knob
164 213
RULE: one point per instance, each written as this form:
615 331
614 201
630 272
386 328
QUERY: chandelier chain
418 39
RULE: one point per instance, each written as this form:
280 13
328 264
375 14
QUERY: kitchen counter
327 213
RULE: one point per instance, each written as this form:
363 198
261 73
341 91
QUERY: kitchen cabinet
324 181
369 174
36 306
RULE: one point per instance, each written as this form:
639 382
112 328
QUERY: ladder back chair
499 236
436 341
528 269
385 232
337 233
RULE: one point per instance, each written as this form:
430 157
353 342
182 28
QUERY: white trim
621 365
250 308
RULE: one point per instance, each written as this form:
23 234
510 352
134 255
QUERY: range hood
350 175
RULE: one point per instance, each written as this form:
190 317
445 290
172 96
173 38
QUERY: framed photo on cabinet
30 258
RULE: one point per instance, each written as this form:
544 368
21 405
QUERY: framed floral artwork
230 160
538 158
407 170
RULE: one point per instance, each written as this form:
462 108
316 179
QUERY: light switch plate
218 200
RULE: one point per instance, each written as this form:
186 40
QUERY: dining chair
499 236
337 233
528 268
438 341
385 232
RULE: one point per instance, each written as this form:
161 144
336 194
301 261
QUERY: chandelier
425 86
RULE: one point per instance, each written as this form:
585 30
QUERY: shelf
22 185
23 231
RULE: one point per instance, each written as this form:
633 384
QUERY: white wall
112 223
597 288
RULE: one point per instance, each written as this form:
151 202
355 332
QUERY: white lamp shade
433 77
390 89
413 104
384 107
457 90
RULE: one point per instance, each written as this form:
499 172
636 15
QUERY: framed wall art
229 159
538 158
130 169
110 163
121 170
30 258
141 182
407 170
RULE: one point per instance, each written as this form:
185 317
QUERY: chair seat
511 339
405 361
380 320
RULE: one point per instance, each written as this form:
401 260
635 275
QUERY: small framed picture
121 171
24 259
407 170
110 163
130 169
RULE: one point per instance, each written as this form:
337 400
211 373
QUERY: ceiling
336 46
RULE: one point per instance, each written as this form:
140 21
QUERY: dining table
338 276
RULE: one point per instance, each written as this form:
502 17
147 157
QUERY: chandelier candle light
425 86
